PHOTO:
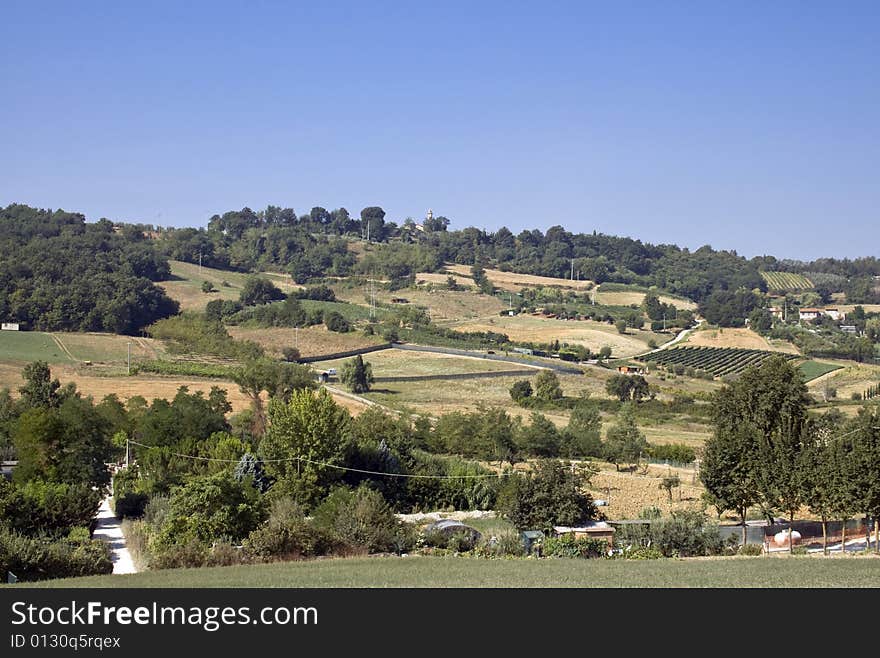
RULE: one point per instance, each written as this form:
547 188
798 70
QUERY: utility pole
127 452
572 269
129 357
200 263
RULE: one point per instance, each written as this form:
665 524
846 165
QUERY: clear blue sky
751 126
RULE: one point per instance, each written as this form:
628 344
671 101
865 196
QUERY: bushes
47 507
568 546
360 518
40 558
287 534
336 322
673 452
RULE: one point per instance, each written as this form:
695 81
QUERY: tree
582 436
451 283
540 438
520 390
621 326
208 287
553 494
357 374
70 443
547 386
279 380
335 321
211 507
291 354
670 482
624 443
39 389
259 290
604 352
627 387
373 223
303 444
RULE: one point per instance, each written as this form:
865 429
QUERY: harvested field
624 298
394 363
516 282
629 493
594 335
108 348
311 341
440 279
443 305
737 337
850 378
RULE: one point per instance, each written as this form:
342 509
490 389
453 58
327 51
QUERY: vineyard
786 281
718 361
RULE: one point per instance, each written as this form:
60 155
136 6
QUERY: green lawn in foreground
785 571
30 346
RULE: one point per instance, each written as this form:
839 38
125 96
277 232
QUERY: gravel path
110 530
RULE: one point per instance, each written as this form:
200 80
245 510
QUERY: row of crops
786 281
719 361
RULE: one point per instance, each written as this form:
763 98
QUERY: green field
813 369
30 346
786 281
839 572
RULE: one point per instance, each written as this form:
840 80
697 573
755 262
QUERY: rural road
109 529
680 337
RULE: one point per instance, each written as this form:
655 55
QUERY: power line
341 468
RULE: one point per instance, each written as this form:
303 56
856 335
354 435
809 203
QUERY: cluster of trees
767 452
58 273
61 441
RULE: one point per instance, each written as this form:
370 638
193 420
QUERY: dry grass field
516 282
440 279
593 335
738 337
628 493
626 298
443 305
186 284
396 363
311 341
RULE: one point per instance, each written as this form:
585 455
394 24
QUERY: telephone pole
129 357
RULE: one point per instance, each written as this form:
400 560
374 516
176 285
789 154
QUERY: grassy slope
22 346
813 369
186 284
464 572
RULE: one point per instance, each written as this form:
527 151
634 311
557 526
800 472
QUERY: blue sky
750 126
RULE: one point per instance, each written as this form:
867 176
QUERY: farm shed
9 326
531 539
591 530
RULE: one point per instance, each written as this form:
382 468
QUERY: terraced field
786 281
719 361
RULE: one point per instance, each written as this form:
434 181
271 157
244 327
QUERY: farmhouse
9 326
809 313
834 313
776 312
630 370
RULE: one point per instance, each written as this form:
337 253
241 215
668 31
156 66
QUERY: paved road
110 530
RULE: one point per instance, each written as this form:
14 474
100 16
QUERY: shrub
336 322
642 553
751 549
137 540
208 287
187 554
520 390
673 452
38 507
287 534
568 546
40 558
360 518
551 495
224 554
291 354
130 505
